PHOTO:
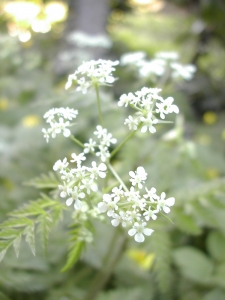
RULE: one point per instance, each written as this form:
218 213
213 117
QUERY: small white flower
108 139
76 195
89 147
125 99
166 107
150 214
132 123
120 218
138 177
70 81
78 158
100 132
165 204
117 193
139 230
61 165
103 153
151 194
108 204
97 170
148 122
88 184
65 190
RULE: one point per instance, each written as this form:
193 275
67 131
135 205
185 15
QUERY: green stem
115 250
117 176
122 144
99 104
77 141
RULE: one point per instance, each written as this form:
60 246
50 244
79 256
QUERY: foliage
189 261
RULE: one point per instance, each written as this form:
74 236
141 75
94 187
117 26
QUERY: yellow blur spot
204 139
212 173
7 184
30 121
223 135
210 118
3 103
142 258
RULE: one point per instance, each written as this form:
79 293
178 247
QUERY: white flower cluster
85 40
131 208
80 181
91 73
105 140
59 121
159 65
144 102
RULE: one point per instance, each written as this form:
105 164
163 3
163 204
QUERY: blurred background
41 43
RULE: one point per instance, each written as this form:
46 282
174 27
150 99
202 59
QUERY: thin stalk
99 104
77 141
122 144
117 176
115 250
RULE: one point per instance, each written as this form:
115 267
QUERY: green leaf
162 250
216 245
29 237
215 294
44 181
2 254
185 223
194 264
44 228
74 254
219 275
16 245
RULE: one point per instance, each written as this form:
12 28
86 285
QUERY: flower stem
99 104
115 250
117 176
77 141
124 141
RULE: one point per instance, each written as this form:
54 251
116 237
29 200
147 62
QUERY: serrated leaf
44 227
2 254
16 245
29 237
74 254
194 264
45 181
14 223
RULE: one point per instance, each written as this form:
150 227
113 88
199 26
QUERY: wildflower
60 165
165 204
139 230
138 177
97 170
92 73
108 204
148 123
78 158
166 107
75 197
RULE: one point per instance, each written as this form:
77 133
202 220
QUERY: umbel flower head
144 102
91 73
134 208
59 121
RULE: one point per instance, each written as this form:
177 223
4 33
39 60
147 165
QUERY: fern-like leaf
74 254
22 222
45 181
